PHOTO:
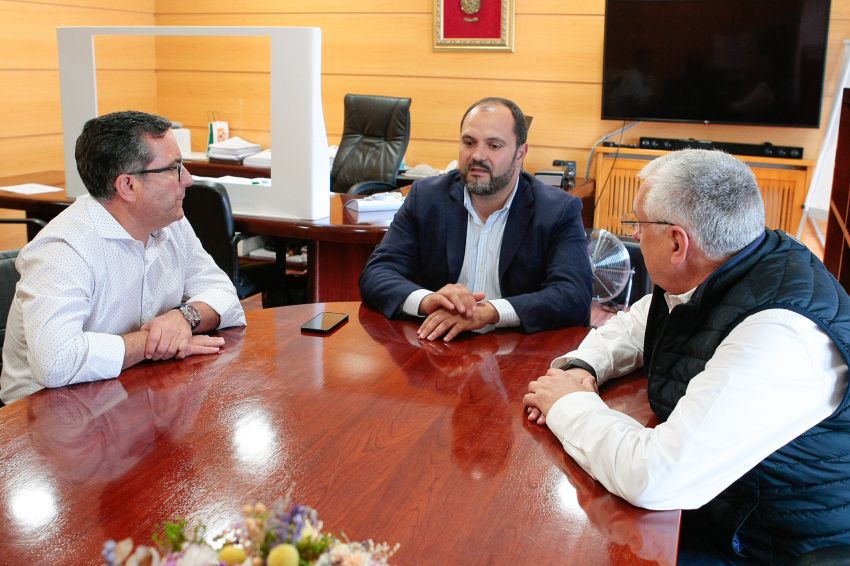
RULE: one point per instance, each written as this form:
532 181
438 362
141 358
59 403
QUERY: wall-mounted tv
753 62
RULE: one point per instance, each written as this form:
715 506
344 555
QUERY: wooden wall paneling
126 90
31 137
32 153
35 99
405 47
31 99
29 33
438 103
166 7
589 7
141 6
435 112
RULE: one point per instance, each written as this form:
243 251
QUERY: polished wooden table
387 437
339 244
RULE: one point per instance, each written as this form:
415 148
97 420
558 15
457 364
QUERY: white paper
375 218
380 201
262 159
31 189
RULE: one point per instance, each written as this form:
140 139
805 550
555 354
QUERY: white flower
198 555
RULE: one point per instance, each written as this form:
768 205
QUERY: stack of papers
376 202
262 159
30 189
232 149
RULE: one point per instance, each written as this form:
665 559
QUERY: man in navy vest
745 344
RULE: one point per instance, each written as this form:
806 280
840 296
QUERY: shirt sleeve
413 300
508 318
55 298
205 282
616 348
776 368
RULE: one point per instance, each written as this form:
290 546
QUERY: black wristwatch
191 314
577 363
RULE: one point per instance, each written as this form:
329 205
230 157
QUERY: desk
340 244
387 438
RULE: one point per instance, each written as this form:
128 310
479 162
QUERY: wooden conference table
388 438
340 244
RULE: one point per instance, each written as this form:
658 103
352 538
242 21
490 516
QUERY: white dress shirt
85 282
771 379
480 270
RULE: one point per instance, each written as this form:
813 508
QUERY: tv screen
753 62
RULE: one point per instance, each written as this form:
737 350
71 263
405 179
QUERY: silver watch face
191 314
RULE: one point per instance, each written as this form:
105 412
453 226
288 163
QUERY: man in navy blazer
486 245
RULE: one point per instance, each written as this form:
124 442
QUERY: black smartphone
324 323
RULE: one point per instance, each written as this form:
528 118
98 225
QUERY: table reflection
469 369
109 427
618 521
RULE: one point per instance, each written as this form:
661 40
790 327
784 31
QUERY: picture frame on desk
473 25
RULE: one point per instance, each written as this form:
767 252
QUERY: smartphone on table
324 323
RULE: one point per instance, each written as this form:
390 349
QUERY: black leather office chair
374 139
207 207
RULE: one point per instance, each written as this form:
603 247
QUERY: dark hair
520 123
113 144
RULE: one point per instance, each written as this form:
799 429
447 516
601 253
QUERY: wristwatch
577 363
191 314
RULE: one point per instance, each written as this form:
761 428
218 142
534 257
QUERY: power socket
569 173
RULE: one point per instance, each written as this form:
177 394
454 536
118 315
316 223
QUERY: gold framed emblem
486 25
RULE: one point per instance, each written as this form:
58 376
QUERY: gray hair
113 144
711 194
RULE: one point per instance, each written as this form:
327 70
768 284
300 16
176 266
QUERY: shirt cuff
508 317
413 300
104 358
223 303
569 409
561 360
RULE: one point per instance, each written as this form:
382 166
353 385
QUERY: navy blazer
544 268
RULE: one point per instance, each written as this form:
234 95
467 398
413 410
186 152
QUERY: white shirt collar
467 201
676 300
106 225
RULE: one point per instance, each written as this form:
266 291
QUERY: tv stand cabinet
784 184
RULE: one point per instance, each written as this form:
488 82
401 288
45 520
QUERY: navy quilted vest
798 498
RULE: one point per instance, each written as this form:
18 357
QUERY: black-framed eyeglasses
631 222
179 168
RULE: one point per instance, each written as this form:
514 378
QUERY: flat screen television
752 62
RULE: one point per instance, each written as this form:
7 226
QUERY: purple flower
289 525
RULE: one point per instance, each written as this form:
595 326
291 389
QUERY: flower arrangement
285 535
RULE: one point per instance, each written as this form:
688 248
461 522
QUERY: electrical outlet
569 173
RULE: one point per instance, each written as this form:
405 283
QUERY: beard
496 183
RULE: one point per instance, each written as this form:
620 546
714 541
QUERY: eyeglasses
631 222
179 168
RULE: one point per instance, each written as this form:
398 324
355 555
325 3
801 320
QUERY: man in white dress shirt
744 343
119 276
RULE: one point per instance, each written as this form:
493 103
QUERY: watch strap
577 363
